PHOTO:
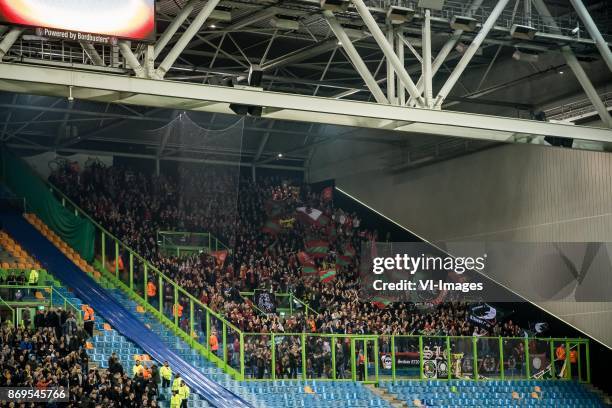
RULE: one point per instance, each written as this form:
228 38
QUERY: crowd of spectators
49 352
134 206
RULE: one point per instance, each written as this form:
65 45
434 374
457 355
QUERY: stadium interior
193 194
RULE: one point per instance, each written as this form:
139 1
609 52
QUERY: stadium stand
303 372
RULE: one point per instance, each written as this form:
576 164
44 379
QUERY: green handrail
13 312
53 292
291 297
440 361
240 372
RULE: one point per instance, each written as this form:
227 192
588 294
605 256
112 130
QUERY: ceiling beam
169 94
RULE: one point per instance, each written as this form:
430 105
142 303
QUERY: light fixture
279 155
522 32
255 75
399 15
285 22
464 23
522 55
212 26
335 5
561 72
339 42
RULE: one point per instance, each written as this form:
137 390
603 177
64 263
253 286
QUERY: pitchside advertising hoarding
83 20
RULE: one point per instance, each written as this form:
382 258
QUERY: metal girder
427 71
470 52
390 72
92 53
176 23
355 58
399 50
250 19
34 119
387 49
185 38
575 66
175 95
153 157
601 44
8 41
448 46
130 59
301 54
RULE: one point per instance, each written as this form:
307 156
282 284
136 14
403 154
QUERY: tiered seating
313 394
496 393
12 256
60 244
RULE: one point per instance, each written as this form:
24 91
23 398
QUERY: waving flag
326 275
312 216
317 248
307 263
272 227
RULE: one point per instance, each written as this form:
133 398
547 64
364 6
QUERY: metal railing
48 296
366 358
371 358
186 316
181 243
286 303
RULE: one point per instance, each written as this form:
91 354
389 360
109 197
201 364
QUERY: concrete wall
523 193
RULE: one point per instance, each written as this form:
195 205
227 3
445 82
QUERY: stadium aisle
104 304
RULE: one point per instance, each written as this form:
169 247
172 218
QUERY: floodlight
285 22
335 5
464 23
399 15
522 32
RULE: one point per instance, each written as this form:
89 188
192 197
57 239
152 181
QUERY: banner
84 20
265 301
484 315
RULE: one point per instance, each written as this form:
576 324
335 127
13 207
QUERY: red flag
219 256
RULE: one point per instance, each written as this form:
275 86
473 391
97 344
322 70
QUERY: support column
355 58
446 49
387 49
594 32
390 71
427 72
575 66
470 52
399 50
187 36
8 41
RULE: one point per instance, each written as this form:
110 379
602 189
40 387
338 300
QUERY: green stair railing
185 315
366 358
286 303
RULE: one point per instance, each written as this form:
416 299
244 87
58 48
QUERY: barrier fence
365 358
